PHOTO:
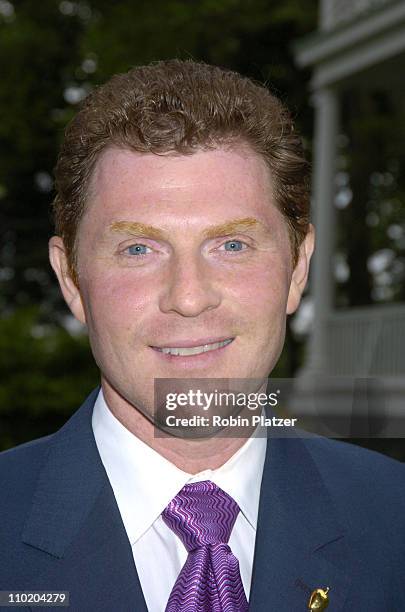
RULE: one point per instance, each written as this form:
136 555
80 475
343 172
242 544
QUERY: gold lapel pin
319 599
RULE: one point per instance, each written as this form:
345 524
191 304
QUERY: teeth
195 350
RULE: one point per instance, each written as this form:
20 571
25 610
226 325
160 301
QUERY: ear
70 291
300 274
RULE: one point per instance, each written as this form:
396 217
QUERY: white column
326 15
323 217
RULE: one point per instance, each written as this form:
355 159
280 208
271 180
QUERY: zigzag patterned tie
202 515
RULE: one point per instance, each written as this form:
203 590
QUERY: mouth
191 349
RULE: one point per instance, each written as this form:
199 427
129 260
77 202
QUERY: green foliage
44 376
373 121
251 36
39 48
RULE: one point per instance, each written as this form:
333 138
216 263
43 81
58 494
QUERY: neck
190 455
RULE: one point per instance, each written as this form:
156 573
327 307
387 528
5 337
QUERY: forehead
219 184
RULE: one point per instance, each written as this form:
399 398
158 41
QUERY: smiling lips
193 350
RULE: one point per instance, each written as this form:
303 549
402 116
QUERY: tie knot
201 513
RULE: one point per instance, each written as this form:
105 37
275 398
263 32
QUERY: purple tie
202 515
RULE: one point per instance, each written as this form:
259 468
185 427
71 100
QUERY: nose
189 289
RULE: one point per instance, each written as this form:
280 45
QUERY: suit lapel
76 524
300 545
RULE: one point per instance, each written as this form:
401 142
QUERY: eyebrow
143 230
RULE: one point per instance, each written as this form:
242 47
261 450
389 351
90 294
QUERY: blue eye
234 245
137 249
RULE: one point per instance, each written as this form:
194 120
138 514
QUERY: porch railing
334 13
366 341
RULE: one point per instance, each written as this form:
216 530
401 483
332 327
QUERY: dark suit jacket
331 514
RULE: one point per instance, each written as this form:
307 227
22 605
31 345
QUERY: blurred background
339 67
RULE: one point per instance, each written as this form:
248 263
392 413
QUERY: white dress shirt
144 483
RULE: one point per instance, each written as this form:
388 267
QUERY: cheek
113 302
263 290
264 303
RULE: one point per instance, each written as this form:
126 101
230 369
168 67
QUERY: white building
360 41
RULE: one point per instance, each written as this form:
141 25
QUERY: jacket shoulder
367 486
29 452
19 469
346 460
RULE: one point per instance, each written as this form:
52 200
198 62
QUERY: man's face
182 251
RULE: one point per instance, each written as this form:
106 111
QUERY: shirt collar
144 481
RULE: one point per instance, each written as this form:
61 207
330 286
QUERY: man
183 242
